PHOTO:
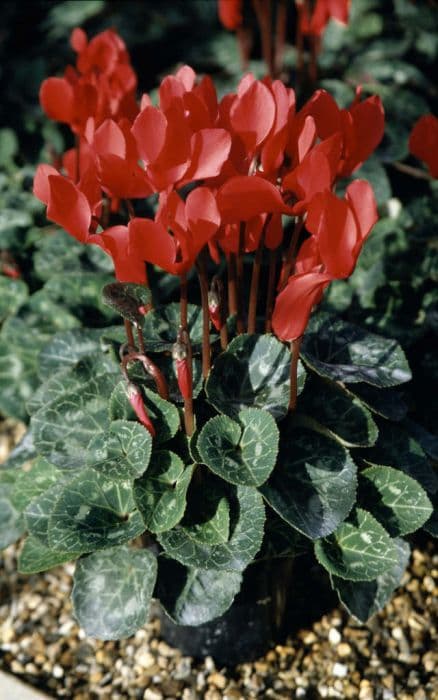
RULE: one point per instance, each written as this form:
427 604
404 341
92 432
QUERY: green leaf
45 314
121 452
112 591
313 486
338 415
57 252
127 298
13 293
161 326
8 146
387 403
67 348
243 452
63 429
207 517
39 510
21 453
31 483
254 371
395 499
365 598
160 495
35 557
195 596
92 512
163 414
11 520
396 448
248 517
71 379
80 291
359 550
19 348
341 351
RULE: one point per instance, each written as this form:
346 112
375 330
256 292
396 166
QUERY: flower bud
136 400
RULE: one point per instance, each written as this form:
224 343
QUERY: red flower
339 228
230 13
423 142
314 24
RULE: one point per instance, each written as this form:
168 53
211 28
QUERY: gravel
393 657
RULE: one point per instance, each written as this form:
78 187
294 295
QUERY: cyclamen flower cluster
248 159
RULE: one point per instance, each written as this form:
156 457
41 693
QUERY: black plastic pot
277 598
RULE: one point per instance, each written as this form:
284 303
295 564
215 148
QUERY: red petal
423 142
69 207
312 175
78 40
122 178
41 187
368 124
294 304
129 267
170 89
333 223
57 99
361 198
243 197
230 13
109 138
210 149
252 115
326 113
150 242
149 130
306 138
187 76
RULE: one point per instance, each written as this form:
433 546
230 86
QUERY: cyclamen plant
177 450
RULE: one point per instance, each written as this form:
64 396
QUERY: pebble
334 636
152 694
339 670
344 649
218 680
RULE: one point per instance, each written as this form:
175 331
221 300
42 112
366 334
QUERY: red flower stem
203 284
295 351
313 67
129 333
291 252
244 41
141 341
263 10
232 284
239 278
255 278
280 36
271 289
189 422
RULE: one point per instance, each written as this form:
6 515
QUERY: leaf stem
129 333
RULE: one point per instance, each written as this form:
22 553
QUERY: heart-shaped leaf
63 429
359 550
67 348
35 557
254 371
13 293
160 494
364 598
340 416
91 512
387 403
347 353
121 452
31 483
396 448
395 499
112 591
241 452
248 517
313 486
195 596
128 299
